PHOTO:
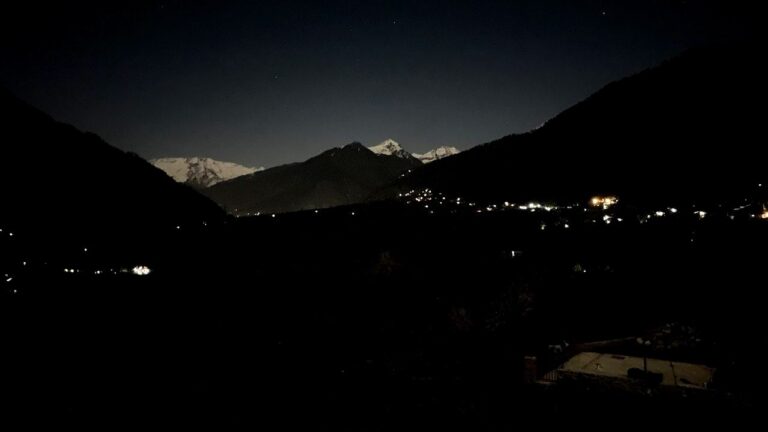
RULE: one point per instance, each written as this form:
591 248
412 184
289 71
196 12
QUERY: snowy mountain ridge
201 172
436 154
391 147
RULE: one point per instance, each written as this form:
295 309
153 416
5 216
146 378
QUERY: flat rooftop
677 374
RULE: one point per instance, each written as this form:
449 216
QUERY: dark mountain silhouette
336 177
57 179
687 130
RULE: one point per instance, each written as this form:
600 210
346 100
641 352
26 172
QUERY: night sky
264 83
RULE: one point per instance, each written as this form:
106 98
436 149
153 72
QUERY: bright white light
85 249
673 210
566 226
141 270
353 213
701 214
659 213
23 263
178 227
506 203
9 279
274 215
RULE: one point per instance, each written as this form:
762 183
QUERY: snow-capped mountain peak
201 172
389 147
436 154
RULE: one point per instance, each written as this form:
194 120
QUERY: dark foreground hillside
382 317
682 131
73 186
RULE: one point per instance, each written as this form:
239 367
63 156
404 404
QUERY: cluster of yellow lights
604 202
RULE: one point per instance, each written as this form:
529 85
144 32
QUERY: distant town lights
603 201
141 270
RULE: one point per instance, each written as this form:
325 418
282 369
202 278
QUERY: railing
550 376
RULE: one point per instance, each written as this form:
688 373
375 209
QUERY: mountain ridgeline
685 131
58 180
392 148
336 177
201 172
